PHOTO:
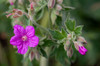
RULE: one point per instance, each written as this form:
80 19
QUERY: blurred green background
87 13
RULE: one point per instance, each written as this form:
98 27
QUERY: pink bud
58 7
37 55
31 56
76 44
70 52
81 39
19 12
11 3
82 50
67 45
59 1
8 15
32 5
69 36
51 3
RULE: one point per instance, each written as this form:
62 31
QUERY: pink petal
30 31
33 42
19 30
82 52
16 40
22 49
83 48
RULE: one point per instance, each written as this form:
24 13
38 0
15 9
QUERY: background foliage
86 12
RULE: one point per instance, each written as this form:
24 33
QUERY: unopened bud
69 36
82 40
32 6
37 55
8 15
58 7
31 56
76 44
67 45
11 2
59 1
51 3
70 52
19 12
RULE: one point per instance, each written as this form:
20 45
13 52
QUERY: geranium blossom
24 38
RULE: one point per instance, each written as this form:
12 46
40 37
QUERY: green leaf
61 55
48 43
68 8
78 30
59 21
38 32
70 24
56 34
43 53
64 33
39 15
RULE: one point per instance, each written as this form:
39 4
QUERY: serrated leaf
56 34
78 30
70 24
61 55
64 33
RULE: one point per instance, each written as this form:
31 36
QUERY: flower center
24 38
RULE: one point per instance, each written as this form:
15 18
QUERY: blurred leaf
59 21
39 15
48 43
78 30
61 55
64 33
43 53
38 32
56 34
70 24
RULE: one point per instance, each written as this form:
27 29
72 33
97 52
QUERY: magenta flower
82 50
24 38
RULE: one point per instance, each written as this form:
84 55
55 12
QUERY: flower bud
70 52
51 3
59 1
58 7
31 56
82 40
67 45
76 44
11 2
37 55
82 50
69 36
15 13
8 15
32 6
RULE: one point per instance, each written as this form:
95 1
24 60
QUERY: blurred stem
45 22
